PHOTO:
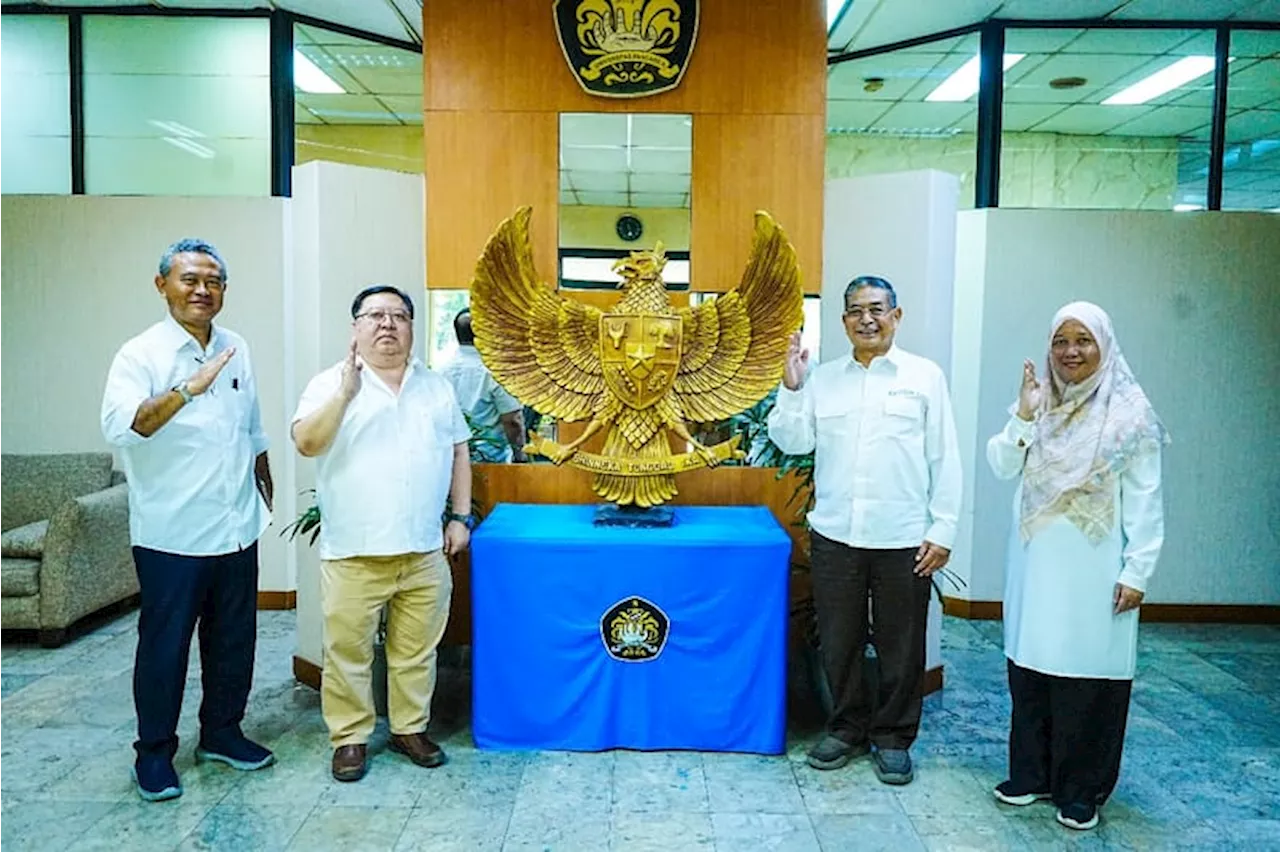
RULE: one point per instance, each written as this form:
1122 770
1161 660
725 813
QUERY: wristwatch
468 521
181 389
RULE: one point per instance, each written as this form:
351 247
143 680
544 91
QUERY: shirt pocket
833 421
904 416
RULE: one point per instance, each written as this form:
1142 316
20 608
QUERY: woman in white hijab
1088 528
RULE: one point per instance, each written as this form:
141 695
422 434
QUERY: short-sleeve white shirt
191 483
383 482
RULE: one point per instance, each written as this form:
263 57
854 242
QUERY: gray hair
191 244
875 282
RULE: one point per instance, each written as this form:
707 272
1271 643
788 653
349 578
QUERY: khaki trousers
417 587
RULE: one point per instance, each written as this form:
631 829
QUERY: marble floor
1202 767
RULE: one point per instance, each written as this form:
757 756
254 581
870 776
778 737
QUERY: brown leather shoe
418 748
349 762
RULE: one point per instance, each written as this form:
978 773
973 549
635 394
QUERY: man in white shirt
181 407
391 445
887 486
485 401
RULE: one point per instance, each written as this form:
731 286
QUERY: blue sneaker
155 779
235 750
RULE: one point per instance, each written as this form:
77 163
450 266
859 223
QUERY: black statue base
613 515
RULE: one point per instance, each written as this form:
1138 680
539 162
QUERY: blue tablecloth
588 638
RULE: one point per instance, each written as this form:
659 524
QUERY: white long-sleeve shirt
1058 593
191 483
886 461
383 482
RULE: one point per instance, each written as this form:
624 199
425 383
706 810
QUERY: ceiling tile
1260 10
568 199
1137 42
371 17
1038 41
1162 121
900 72
603 199
1090 119
593 128
854 114
407 108
1060 9
658 199
654 160
1179 10
1253 85
1098 71
923 116
597 181
1255 43
320 35
1020 117
594 159
301 115
1255 124
896 21
660 182
382 70
662 131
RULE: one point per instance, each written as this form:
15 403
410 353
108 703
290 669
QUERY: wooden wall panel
481 166
743 163
762 56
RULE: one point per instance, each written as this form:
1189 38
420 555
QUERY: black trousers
219 592
1066 735
844 579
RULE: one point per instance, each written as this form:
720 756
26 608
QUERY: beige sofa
64 541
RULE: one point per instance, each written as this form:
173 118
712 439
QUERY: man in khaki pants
391 444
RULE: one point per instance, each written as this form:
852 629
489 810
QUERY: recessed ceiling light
308 77
1183 208
1165 80
963 83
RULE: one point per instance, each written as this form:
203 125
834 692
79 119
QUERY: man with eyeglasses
391 447
181 407
888 487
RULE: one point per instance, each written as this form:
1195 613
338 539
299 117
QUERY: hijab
1086 434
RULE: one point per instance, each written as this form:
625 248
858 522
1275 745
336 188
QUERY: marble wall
1037 169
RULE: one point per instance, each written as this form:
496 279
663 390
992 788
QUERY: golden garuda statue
642 367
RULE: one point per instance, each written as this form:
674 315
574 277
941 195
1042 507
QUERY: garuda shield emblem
640 354
627 48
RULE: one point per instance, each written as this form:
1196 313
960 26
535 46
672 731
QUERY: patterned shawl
1086 434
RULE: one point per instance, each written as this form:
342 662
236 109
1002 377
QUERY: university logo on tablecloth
627 48
634 630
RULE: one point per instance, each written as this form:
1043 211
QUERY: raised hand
351 374
1031 394
202 378
797 364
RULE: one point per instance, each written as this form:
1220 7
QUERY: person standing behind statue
888 486
181 407
391 444
485 401
1088 528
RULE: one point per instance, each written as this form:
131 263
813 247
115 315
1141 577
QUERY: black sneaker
831 752
1078 816
893 766
235 750
156 779
1006 793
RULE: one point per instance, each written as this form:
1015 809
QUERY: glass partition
177 106
35 93
1251 159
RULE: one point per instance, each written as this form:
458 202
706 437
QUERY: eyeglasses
876 311
379 317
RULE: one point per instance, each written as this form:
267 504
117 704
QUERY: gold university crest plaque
627 48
